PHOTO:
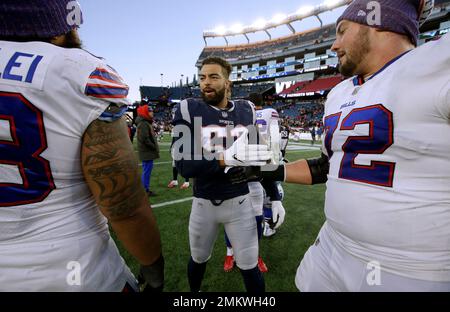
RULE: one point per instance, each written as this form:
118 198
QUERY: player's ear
229 84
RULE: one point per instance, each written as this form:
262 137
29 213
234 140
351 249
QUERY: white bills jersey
388 190
267 122
52 235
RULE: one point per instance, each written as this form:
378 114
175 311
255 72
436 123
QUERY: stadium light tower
331 3
220 30
277 20
162 79
237 28
303 11
259 24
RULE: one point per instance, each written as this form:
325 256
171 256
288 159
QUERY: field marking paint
173 202
162 162
291 148
158 163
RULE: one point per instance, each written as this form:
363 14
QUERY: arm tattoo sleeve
110 168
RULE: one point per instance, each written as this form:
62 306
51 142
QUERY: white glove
242 154
278 213
274 142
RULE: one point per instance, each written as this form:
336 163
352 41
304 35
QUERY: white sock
229 251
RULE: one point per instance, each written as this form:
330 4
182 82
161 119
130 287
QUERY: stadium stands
323 84
316 86
269 47
160 94
295 88
301 67
242 91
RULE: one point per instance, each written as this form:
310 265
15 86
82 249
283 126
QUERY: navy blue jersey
208 124
272 190
284 139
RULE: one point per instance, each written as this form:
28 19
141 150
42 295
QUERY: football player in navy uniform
284 136
208 138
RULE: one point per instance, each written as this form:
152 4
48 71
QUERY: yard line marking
173 202
302 148
159 163
162 162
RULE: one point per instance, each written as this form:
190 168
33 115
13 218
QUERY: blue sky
143 38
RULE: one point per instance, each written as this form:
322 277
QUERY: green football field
282 252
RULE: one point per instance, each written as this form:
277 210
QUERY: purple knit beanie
38 18
399 16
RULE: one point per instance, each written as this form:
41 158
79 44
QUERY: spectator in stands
148 148
319 132
312 130
131 129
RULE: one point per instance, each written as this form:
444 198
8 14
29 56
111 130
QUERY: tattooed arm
111 170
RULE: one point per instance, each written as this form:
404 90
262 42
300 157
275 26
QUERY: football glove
237 175
151 277
278 214
242 154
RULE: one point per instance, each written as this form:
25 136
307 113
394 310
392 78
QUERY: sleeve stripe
107 80
109 96
103 91
100 73
96 85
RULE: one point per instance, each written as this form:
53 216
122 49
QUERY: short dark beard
72 40
216 100
349 69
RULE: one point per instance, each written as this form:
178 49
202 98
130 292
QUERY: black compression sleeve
276 175
319 168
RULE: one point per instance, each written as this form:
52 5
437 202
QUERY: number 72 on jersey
379 139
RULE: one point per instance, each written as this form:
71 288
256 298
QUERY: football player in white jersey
268 122
268 127
387 202
66 161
